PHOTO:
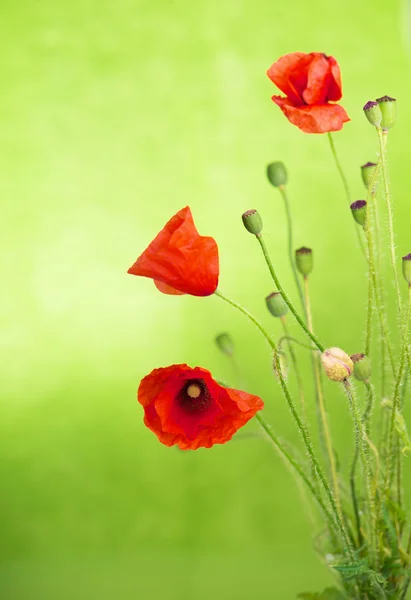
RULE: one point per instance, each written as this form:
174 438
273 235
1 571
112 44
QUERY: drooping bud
406 268
362 366
304 260
359 211
388 107
283 364
276 304
338 366
225 342
253 222
367 173
373 113
277 174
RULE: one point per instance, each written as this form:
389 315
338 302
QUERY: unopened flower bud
283 364
373 113
337 364
225 342
253 222
359 211
304 260
277 174
367 173
362 366
388 107
276 304
406 268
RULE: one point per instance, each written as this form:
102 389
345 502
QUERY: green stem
290 243
302 430
296 369
292 339
361 441
249 316
294 464
382 137
339 167
396 404
372 270
345 184
324 426
284 295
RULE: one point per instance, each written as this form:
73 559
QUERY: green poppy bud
253 222
225 342
359 211
276 304
373 113
338 366
304 260
406 268
367 173
277 174
362 366
388 107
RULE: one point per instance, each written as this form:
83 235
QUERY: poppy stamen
194 397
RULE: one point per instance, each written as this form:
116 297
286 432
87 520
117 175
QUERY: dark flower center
194 398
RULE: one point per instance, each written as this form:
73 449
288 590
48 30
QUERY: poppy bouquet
365 532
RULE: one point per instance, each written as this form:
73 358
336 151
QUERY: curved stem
290 243
339 167
396 404
324 426
249 316
382 137
292 339
345 184
296 368
361 440
294 464
301 428
284 295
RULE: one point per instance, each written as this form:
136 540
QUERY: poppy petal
318 80
289 73
314 119
181 258
167 289
335 88
207 420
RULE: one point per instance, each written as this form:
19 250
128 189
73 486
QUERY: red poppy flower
179 259
311 82
185 406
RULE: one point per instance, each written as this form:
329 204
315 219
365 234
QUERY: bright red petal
314 119
317 81
167 289
163 414
289 73
181 258
335 89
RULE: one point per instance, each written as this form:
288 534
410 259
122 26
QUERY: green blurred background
114 115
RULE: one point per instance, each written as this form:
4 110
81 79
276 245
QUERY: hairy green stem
382 138
396 404
324 426
296 369
345 184
361 440
284 295
294 464
301 428
372 270
290 243
286 338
